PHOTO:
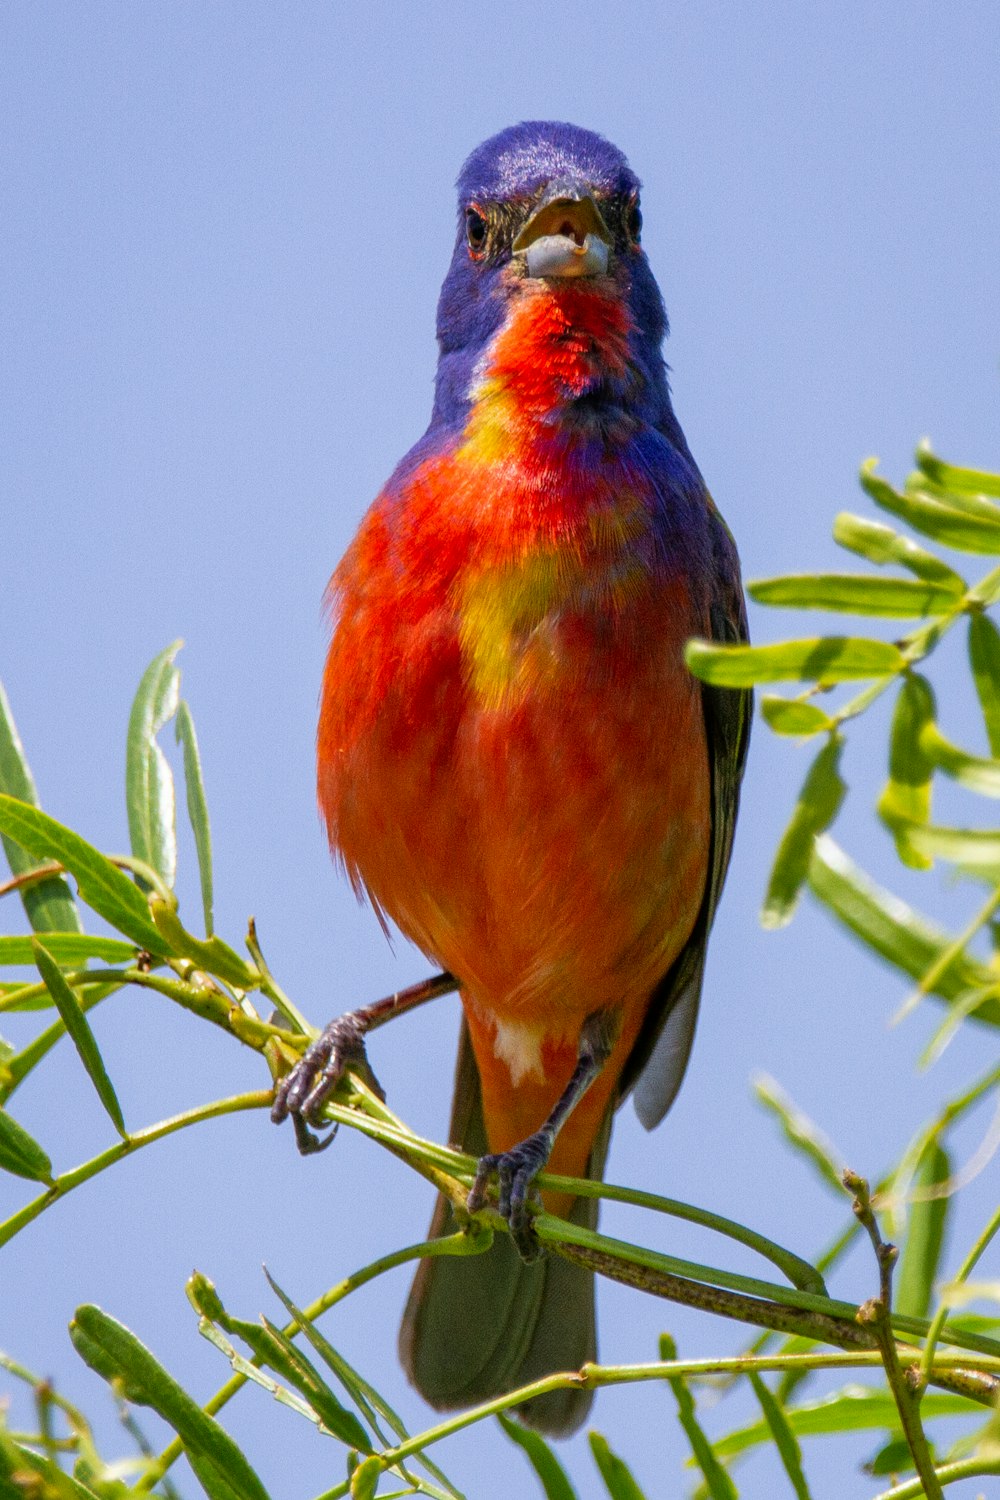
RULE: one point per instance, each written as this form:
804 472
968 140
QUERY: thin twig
877 1313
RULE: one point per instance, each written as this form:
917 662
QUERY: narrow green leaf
882 544
971 848
80 1033
197 807
348 1427
784 1438
856 594
15 1068
974 771
918 1266
111 1349
984 659
801 1133
67 948
25 1475
149 783
906 798
819 802
959 1010
970 481
49 905
20 1153
706 1456
891 928
552 1476
987 591
934 517
619 1481
214 956
828 659
894 1457
789 716
364 1480
111 894
854 1408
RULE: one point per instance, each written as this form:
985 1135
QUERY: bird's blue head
544 207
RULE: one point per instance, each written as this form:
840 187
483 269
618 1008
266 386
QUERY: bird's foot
516 1171
304 1091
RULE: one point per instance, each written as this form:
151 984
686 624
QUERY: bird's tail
476 1326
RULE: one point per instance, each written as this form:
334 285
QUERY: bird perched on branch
514 763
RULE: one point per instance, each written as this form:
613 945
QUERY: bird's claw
304 1091
516 1171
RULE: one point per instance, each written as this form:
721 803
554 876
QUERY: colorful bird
514 763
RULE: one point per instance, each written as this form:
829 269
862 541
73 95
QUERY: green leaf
906 798
214 956
894 1457
67 948
49 905
149 783
111 894
891 928
20 1468
364 1480
973 771
918 1266
705 1455
335 1361
20 1153
619 1481
882 544
790 716
972 848
14 1069
960 1010
933 517
551 1474
80 1033
197 808
801 1133
111 1349
826 659
819 802
969 481
784 1438
856 594
854 1408
984 659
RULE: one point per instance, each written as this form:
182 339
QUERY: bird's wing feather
658 1060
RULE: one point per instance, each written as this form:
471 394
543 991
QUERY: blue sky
225 228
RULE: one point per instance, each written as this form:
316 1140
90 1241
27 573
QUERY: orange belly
549 846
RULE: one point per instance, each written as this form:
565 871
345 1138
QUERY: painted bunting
514 763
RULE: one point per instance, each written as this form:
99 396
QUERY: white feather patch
520 1049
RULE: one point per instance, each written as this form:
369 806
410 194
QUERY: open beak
566 235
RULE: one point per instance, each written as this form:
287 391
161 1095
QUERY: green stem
799 1272
592 1376
937 1326
964 1468
916 646
67 1181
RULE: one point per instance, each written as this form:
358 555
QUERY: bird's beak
566 235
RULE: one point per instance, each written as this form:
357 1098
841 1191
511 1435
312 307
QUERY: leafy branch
212 981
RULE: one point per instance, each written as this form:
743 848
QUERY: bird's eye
475 230
633 220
